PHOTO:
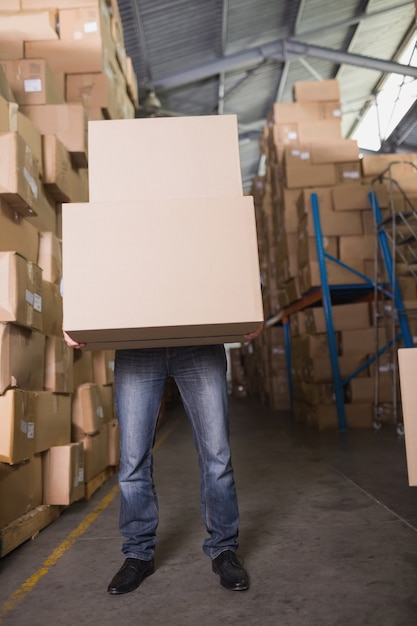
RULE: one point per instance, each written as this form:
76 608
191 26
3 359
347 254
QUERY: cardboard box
345 317
356 197
82 367
63 474
114 443
8 115
87 412
56 168
22 357
333 223
17 234
376 164
317 91
106 403
52 417
357 247
359 415
52 309
50 257
290 112
103 367
407 363
20 489
95 90
20 291
67 121
58 376
158 158
17 427
52 4
32 82
207 270
96 453
19 174
29 26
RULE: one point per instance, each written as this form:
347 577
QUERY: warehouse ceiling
215 57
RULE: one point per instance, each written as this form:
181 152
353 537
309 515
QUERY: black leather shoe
231 572
130 575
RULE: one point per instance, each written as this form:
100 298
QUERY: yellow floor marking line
53 558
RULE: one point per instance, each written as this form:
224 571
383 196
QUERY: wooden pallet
27 527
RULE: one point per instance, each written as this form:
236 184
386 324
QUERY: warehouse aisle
328 534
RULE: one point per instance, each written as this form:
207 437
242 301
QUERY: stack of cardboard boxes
62 63
305 153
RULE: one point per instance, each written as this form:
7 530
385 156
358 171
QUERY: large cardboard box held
178 157
182 272
407 363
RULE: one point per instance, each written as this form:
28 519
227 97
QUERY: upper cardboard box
161 273
177 157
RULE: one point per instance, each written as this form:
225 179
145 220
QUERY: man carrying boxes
166 280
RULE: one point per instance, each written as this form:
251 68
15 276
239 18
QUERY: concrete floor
328 535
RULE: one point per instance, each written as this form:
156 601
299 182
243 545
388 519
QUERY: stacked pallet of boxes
305 154
61 64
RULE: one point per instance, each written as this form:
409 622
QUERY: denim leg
139 379
200 374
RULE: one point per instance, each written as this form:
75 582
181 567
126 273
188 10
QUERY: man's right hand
71 343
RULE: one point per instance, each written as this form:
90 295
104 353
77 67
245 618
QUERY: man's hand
255 333
71 343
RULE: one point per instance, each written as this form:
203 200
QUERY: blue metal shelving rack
330 295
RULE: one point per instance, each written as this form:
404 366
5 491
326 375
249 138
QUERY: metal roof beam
285 50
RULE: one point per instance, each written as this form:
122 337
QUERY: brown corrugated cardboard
32 137
56 168
86 416
178 157
96 90
52 4
17 234
106 403
114 442
357 247
290 112
20 489
51 309
333 223
8 115
20 291
82 367
29 26
17 427
103 367
52 417
407 363
316 91
32 82
96 453
58 376
345 317
19 174
50 257
67 121
376 164
22 357
203 288
63 474
357 196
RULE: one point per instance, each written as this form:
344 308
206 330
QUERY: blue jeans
139 380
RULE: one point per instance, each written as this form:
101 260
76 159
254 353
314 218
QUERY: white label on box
100 412
31 182
352 175
292 135
31 430
90 27
37 302
337 113
32 85
80 475
304 155
29 297
24 426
